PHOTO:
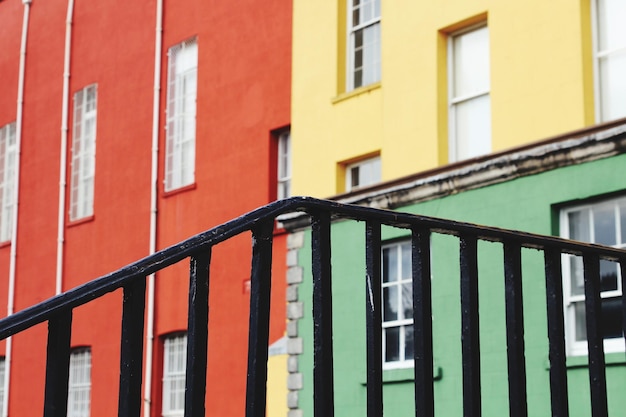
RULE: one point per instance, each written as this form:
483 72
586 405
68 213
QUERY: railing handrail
84 293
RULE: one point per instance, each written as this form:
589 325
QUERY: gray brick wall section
295 310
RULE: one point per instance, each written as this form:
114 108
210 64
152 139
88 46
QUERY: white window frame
182 90
174 369
368 12
573 297
402 280
602 54
8 156
284 165
79 384
83 152
456 101
369 173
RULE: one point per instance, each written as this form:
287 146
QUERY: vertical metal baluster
58 365
422 323
593 310
197 335
515 329
470 326
556 333
260 291
373 319
131 349
323 380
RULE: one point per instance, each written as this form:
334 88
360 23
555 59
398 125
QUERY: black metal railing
57 311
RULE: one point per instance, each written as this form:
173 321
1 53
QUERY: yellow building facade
529 64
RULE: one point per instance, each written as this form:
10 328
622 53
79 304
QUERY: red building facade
126 127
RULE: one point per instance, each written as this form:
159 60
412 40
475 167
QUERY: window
180 146
174 365
397 305
8 153
362 173
79 386
83 153
284 165
470 104
603 222
364 42
610 62
2 377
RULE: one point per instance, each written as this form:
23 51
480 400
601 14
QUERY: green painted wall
527 204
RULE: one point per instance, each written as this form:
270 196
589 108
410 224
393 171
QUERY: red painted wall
243 94
244 55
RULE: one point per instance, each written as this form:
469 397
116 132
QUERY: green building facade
572 186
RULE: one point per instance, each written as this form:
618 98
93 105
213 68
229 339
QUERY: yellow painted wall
277 386
541 83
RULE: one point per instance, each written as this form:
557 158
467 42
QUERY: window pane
392 344
358 40
604 224
174 365
83 153
612 317
409 345
363 173
597 222
608 275
611 325
613 86
354 177
390 300
355 17
579 225
371 54
611 28
471 62
577 281
390 264
181 115
407 301
186 57
406 261
364 53
370 172
358 78
581 330
397 299
79 384
473 127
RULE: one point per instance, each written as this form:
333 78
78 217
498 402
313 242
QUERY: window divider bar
197 334
469 326
373 319
595 342
515 329
58 364
131 349
422 322
323 379
556 332
258 339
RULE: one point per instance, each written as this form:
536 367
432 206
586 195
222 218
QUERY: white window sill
582 361
356 92
397 375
